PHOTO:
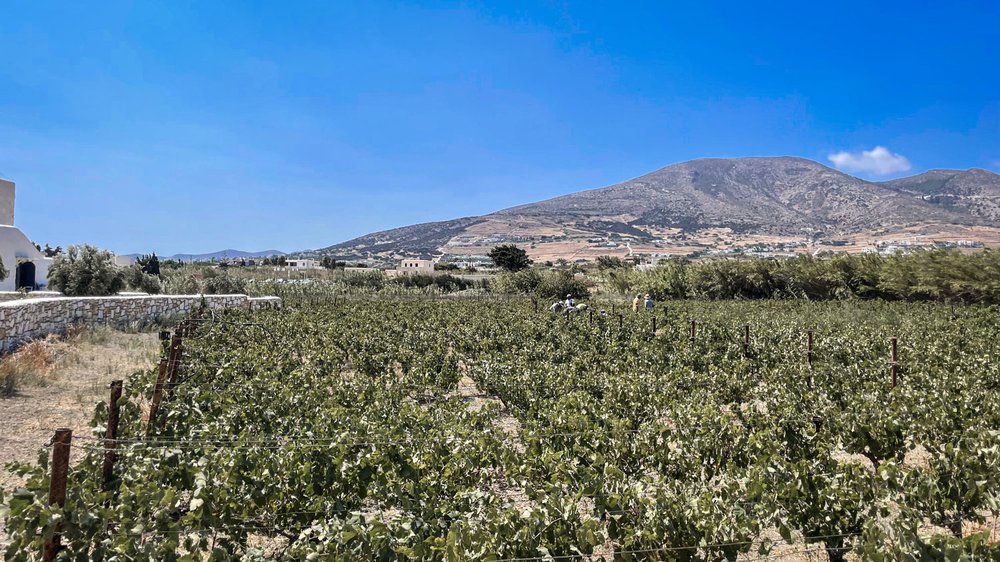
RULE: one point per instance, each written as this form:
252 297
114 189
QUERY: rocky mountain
220 255
712 201
974 191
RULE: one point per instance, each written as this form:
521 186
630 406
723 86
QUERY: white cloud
878 161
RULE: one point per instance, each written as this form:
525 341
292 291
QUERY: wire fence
238 443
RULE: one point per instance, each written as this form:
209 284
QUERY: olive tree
86 271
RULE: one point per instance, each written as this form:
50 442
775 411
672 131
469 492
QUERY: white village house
303 264
26 267
412 267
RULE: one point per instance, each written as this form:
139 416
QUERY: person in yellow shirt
636 302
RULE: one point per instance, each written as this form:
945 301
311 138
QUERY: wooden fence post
174 357
621 320
654 325
57 485
154 404
111 434
694 329
746 339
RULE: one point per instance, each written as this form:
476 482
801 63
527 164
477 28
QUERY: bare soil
65 392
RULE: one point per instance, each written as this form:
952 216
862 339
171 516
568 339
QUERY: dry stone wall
27 319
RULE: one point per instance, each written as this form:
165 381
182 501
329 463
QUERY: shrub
182 285
138 280
611 262
31 364
558 284
374 280
547 284
520 282
224 285
447 283
86 271
919 276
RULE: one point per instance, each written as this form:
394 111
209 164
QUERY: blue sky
191 127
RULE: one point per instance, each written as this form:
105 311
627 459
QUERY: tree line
932 275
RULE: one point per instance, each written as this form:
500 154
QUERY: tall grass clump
30 365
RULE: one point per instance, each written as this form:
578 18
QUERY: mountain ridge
221 254
684 204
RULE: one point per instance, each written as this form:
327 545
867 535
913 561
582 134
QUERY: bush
182 285
31 364
543 284
86 271
520 282
446 283
920 276
223 285
374 280
558 284
138 280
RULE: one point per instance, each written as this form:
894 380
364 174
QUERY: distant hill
220 255
710 202
975 191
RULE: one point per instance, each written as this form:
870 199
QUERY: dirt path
65 391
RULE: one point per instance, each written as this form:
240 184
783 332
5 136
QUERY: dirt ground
64 393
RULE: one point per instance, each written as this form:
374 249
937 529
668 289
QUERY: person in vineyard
570 302
648 303
635 303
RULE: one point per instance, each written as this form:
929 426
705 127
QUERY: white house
125 261
413 267
26 266
303 264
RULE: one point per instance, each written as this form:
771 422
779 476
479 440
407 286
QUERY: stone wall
17 295
27 319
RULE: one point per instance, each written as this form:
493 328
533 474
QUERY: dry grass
32 365
59 381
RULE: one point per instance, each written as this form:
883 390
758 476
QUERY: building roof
11 238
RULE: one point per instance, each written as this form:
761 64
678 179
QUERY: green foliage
446 283
149 264
509 257
86 271
138 280
223 285
611 262
328 262
365 279
182 284
445 430
921 276
540 283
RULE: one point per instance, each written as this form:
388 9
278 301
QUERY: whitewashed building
27 268
413 267
303 264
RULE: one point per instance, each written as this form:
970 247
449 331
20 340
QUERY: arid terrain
788 205
65 379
